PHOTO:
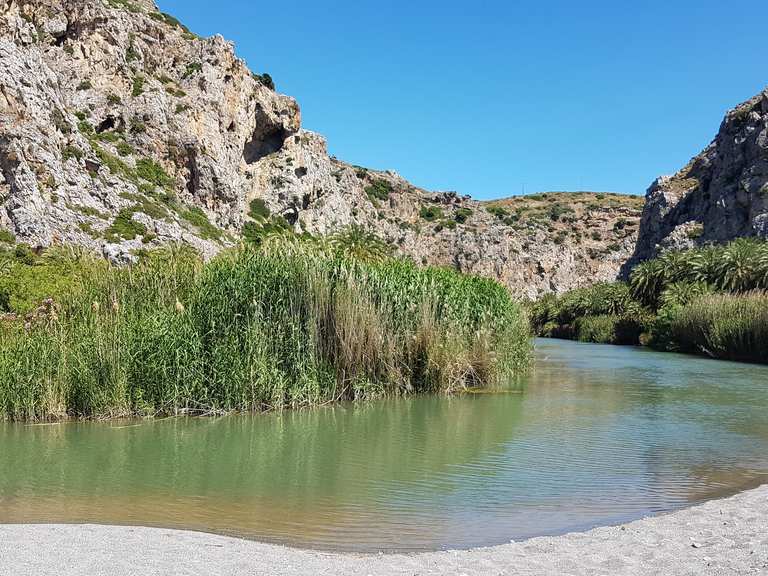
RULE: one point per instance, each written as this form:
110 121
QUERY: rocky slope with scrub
120 129
720 195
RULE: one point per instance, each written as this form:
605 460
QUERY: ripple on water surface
595 435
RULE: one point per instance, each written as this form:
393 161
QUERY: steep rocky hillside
121 129
720 195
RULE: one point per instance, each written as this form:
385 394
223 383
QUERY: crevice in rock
60 40
300 172
8 164
193 179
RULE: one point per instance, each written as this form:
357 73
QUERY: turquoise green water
595 435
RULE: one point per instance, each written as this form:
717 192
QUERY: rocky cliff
120 129
720 195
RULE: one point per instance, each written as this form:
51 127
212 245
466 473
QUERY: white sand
727 536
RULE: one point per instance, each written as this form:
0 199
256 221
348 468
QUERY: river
594 435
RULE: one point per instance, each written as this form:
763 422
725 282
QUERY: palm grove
710 300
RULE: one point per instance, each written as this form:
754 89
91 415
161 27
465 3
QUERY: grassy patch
379 189
146 205
258 209
124 227
128 5
7 236
462 215
70 151
431 213
87 211
124 149
173 22
138 86
114 164
86 128
26 279
154 173
137 126
199 219
499 211
192 69
110 137
88 229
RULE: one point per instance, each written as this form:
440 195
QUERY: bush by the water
284 325
604 313
708 301
733 327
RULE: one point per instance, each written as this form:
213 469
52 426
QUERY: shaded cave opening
109 123
265 143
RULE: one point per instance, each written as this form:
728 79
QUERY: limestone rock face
121 130
720 195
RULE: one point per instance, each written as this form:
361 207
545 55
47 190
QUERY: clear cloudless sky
491 98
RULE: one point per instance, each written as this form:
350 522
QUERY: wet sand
728 537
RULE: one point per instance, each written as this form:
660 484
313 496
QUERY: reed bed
285 325
727 326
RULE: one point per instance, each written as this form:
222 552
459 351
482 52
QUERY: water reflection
598 434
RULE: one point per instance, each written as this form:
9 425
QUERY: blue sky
491 98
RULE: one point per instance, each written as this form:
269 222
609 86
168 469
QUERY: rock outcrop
720 195
120 130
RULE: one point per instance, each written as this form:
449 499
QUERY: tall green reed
733 327
289 324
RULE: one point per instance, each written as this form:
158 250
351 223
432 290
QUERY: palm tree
683 293
737 266
761 267
542 311
358 243
704 263
257 231
678 266
647 281
609 298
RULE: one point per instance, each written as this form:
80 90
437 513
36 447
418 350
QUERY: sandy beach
728 537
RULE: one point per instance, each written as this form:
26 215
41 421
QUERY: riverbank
728 536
